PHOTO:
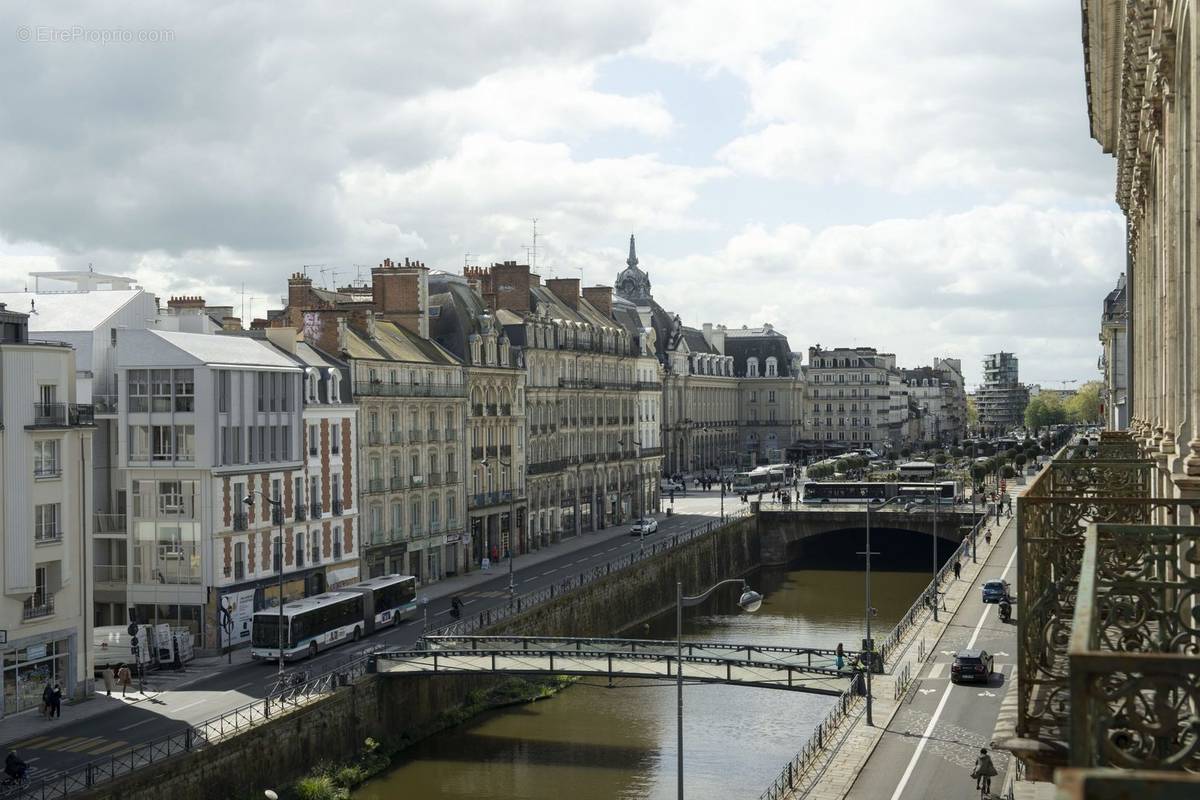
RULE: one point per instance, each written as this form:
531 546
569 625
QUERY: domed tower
632 283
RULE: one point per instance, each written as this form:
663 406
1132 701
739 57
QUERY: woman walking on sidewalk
124 678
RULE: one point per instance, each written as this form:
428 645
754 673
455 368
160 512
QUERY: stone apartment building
1114 357
582 389
771 392
938 401
497 510
411 396
850 397
46 465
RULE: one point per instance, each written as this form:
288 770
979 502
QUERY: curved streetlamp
750 601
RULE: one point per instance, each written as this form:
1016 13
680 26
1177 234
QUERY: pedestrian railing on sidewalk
284 700
796 772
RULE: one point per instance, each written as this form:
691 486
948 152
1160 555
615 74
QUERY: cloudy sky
914 176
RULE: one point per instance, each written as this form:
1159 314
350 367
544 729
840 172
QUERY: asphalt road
67 744
930 746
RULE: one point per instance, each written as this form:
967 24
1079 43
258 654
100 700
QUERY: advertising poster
240 606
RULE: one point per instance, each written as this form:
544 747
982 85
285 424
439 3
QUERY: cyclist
984 770
14 767
456 605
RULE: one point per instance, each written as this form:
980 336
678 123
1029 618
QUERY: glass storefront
28 670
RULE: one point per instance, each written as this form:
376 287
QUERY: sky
917 177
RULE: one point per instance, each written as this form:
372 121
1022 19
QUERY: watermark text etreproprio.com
55 34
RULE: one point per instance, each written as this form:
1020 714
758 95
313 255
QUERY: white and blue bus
389 600
754 481
310 626
941 492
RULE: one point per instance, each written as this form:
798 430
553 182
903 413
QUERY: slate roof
763 346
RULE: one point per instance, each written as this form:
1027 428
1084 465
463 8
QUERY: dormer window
751 367
312 386
772 367
335 386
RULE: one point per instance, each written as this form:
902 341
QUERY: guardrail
283 700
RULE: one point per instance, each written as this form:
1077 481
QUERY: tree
841 465
979 471
956 452
906 451
939 459
1043 411
972 414
1083 407
1021 459
1008 471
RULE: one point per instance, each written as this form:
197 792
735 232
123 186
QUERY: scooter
1005 612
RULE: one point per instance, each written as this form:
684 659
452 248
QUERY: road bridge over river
796 669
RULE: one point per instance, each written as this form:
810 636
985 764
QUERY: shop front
387 560
33 663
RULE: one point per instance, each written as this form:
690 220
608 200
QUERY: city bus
917 470
784 473
388 600
759 479
942 492
310 625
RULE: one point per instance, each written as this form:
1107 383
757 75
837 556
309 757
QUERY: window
185 442
45 519
239 560
771 396
185 390
223 391
772 367
315 549
300 549
45 458
415 516
161 445
397 518
335 438
160 390
337 541
752 367
139 390
139 443
451 511
312 440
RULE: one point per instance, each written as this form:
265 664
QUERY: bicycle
985 787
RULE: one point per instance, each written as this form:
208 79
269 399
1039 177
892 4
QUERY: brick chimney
325 329
600 297
401 294
184 301
565 289
232 324
510 286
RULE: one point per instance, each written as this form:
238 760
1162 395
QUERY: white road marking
243 686
927 691
134 725
986 693
908 771
936 670
189 705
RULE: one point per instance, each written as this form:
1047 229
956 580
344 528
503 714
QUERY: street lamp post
277 505
869 610
750 601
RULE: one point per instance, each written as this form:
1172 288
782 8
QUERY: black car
972 665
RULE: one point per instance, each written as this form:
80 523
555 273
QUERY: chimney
324 329
283 338
401 294
508 287
184 301
565 289
600 297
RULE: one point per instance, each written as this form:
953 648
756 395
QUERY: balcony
506 450
300 512
44 536
110 523
490 408
649 386
313 452
506 409
240 521
414 436
451 435
38 606
416 481
547 467
381 389
397 483
587 421
477 453
1106 644
396 437
277 515
47 471
575 383
477 410
63 415
315 511
110 573
451 477
650 452
613 420
336 508
432 435
376 485
434 479
373 437
104 404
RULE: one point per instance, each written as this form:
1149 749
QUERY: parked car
995 591
674 486
644 526
972 665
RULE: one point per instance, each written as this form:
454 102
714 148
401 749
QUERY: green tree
1008 471
972 414
1020 460
939 459
1043 411
1083 407
905 452
956 452
841 465
978 472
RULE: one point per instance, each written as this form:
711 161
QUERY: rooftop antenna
467 260
333 273
306 266
244 298
531 252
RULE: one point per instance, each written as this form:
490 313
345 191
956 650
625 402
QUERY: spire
632 260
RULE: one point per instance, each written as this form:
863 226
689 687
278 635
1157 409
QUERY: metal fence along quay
349 669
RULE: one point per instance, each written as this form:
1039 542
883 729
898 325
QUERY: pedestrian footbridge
796 669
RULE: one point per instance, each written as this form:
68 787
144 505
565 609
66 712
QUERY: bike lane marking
908 771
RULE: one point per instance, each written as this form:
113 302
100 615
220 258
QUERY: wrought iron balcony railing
381 389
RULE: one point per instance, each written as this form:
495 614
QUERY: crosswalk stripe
110 746
34 742
53 742
85 744
70 742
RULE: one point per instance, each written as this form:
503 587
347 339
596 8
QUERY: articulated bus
390 600
943 492
785 473
325 620
309 626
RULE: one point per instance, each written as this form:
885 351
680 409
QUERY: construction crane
1064 383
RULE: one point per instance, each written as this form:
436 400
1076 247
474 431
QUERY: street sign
132 629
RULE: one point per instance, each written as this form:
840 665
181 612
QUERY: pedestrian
109 680
47 696
957 570
56 701
124 678
840 659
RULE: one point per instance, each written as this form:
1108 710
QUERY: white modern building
45 524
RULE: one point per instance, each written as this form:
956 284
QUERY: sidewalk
838 766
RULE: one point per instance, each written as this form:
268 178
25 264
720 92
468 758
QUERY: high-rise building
1001 398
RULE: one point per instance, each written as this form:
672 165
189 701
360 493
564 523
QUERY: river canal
595 743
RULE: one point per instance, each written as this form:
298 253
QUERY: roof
215 349
761 346
394 343
68 311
